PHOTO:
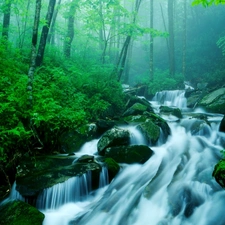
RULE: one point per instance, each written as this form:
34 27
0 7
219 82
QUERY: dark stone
20 213
113 137
129 154
72 140
131 100
173 111
222 125
104 125
113 167
33 178
214 101
150 131
86 159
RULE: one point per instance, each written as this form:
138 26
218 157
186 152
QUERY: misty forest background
62 62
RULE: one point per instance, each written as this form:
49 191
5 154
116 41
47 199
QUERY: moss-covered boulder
171 111
131 100
219 173
104 125
214 101
150 131
32 178
113 167
222 125
136 109
113 137
129 154
20 213
135 119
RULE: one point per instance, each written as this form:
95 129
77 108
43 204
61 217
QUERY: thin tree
23 35
70 30
51 34
171 37
123 54
184 39
151 53
33 53
44 33
6 19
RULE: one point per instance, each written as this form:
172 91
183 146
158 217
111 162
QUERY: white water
174 98
174 187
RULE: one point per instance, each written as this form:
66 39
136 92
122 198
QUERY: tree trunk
151 40
164 24
171 38
51 34
6 19
123 54
70 30
44 33
25 26
184 39
33 53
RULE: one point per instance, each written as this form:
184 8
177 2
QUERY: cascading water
174 187
73 190
174 98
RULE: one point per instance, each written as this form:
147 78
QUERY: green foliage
162 81
206 3
66 95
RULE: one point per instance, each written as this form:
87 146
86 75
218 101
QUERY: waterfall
174 187
104 177
173 98
72 190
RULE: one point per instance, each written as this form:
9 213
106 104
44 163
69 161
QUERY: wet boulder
136 109
112 166
129 154
131 100
222 125
45 172
171 111
18 212
214 101
104 125
113 137
150 131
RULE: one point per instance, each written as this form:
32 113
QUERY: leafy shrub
162 81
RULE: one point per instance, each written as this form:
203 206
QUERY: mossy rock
72 140
222 125
57 170
135 119
150 131
219 173
173 111
129 154
113 167
214 101
20 213
134 99
113 137
136 109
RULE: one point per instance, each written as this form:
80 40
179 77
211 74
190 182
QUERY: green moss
151 131
112 165
20 213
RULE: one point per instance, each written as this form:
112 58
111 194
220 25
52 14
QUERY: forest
65 63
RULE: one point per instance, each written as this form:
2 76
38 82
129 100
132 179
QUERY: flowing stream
174 187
